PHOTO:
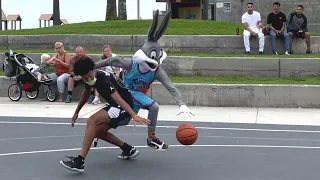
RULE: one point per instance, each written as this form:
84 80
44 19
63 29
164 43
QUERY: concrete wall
311 7
229 66
170 43
223 95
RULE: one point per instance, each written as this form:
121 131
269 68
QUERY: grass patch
172 53
137 27
239 80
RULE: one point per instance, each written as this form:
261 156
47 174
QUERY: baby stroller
12 66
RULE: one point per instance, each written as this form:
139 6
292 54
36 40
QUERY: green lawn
239 80
137 27
172 53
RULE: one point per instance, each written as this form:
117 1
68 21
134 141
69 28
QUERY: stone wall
170 43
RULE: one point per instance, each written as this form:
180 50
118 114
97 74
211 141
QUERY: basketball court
31 148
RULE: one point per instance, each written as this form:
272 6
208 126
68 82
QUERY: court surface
31 148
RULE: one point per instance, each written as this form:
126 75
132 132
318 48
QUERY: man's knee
307 34
154 107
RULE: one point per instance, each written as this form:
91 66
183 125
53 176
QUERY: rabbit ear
153 27
163 26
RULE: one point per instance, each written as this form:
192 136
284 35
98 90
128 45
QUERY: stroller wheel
32 94
15 92
51 95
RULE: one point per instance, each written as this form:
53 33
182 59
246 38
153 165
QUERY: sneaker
309 52
155 143
96 100
287 52
274 52
130 155
68 98
260 52
74 164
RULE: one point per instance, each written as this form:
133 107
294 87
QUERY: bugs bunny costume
141 70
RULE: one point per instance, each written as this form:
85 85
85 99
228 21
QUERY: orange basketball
187 134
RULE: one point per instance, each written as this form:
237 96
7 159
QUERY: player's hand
140 120
74 118
184 109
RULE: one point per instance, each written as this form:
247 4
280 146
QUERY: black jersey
106 84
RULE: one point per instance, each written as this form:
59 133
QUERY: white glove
184 109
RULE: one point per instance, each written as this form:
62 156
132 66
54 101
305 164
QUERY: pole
138 9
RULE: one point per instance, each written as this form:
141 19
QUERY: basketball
187 134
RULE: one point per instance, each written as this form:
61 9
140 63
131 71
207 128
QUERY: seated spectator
297 27
61 62
107 52
277 25
252 27
73 80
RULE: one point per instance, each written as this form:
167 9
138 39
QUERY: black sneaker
129 155
74 164
155 143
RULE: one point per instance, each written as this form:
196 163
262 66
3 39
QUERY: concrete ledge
231 66
184 43
224 95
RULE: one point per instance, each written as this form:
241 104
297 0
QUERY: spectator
74 80
252 27
277 25
297 27
106 53
62 72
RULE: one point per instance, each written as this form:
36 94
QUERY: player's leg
128 151
77 163
145 102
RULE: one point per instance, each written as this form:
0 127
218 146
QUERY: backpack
9 67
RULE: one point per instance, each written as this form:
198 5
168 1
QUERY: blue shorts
141 101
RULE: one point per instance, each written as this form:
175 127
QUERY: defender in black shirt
118 112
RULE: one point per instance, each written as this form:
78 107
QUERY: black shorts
297 35
119 117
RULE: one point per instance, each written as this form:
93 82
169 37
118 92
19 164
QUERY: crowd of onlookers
60 68
292 26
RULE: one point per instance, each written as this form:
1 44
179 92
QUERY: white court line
206 128
114 147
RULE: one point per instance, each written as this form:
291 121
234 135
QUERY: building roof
14 17
46 17
64 21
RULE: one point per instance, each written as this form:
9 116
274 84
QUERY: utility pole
138 9
1 15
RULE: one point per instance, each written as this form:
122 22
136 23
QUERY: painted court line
205 128
114 147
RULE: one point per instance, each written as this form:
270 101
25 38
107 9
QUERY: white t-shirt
251 19
110 69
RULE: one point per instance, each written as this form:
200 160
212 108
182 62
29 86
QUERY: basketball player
118 112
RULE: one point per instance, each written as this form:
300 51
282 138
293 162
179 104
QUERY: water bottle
237 31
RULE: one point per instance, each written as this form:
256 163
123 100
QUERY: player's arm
117 61
84 98
162 76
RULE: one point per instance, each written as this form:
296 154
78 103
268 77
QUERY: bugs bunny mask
151 52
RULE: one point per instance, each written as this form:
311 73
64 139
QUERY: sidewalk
299 116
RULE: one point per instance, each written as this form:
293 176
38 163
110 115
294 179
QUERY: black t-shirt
276 20
106 84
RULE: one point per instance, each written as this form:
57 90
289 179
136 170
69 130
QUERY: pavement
233 144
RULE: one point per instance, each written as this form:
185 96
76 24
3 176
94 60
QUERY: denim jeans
60 80
273 37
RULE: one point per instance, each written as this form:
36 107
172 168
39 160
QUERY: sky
30 10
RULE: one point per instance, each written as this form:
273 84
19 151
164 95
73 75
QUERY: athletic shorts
141 101
297 35
119 117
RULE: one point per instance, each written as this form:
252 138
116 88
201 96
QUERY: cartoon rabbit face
151 51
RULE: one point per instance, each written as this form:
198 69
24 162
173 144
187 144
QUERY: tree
111 9
122 9
56 13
